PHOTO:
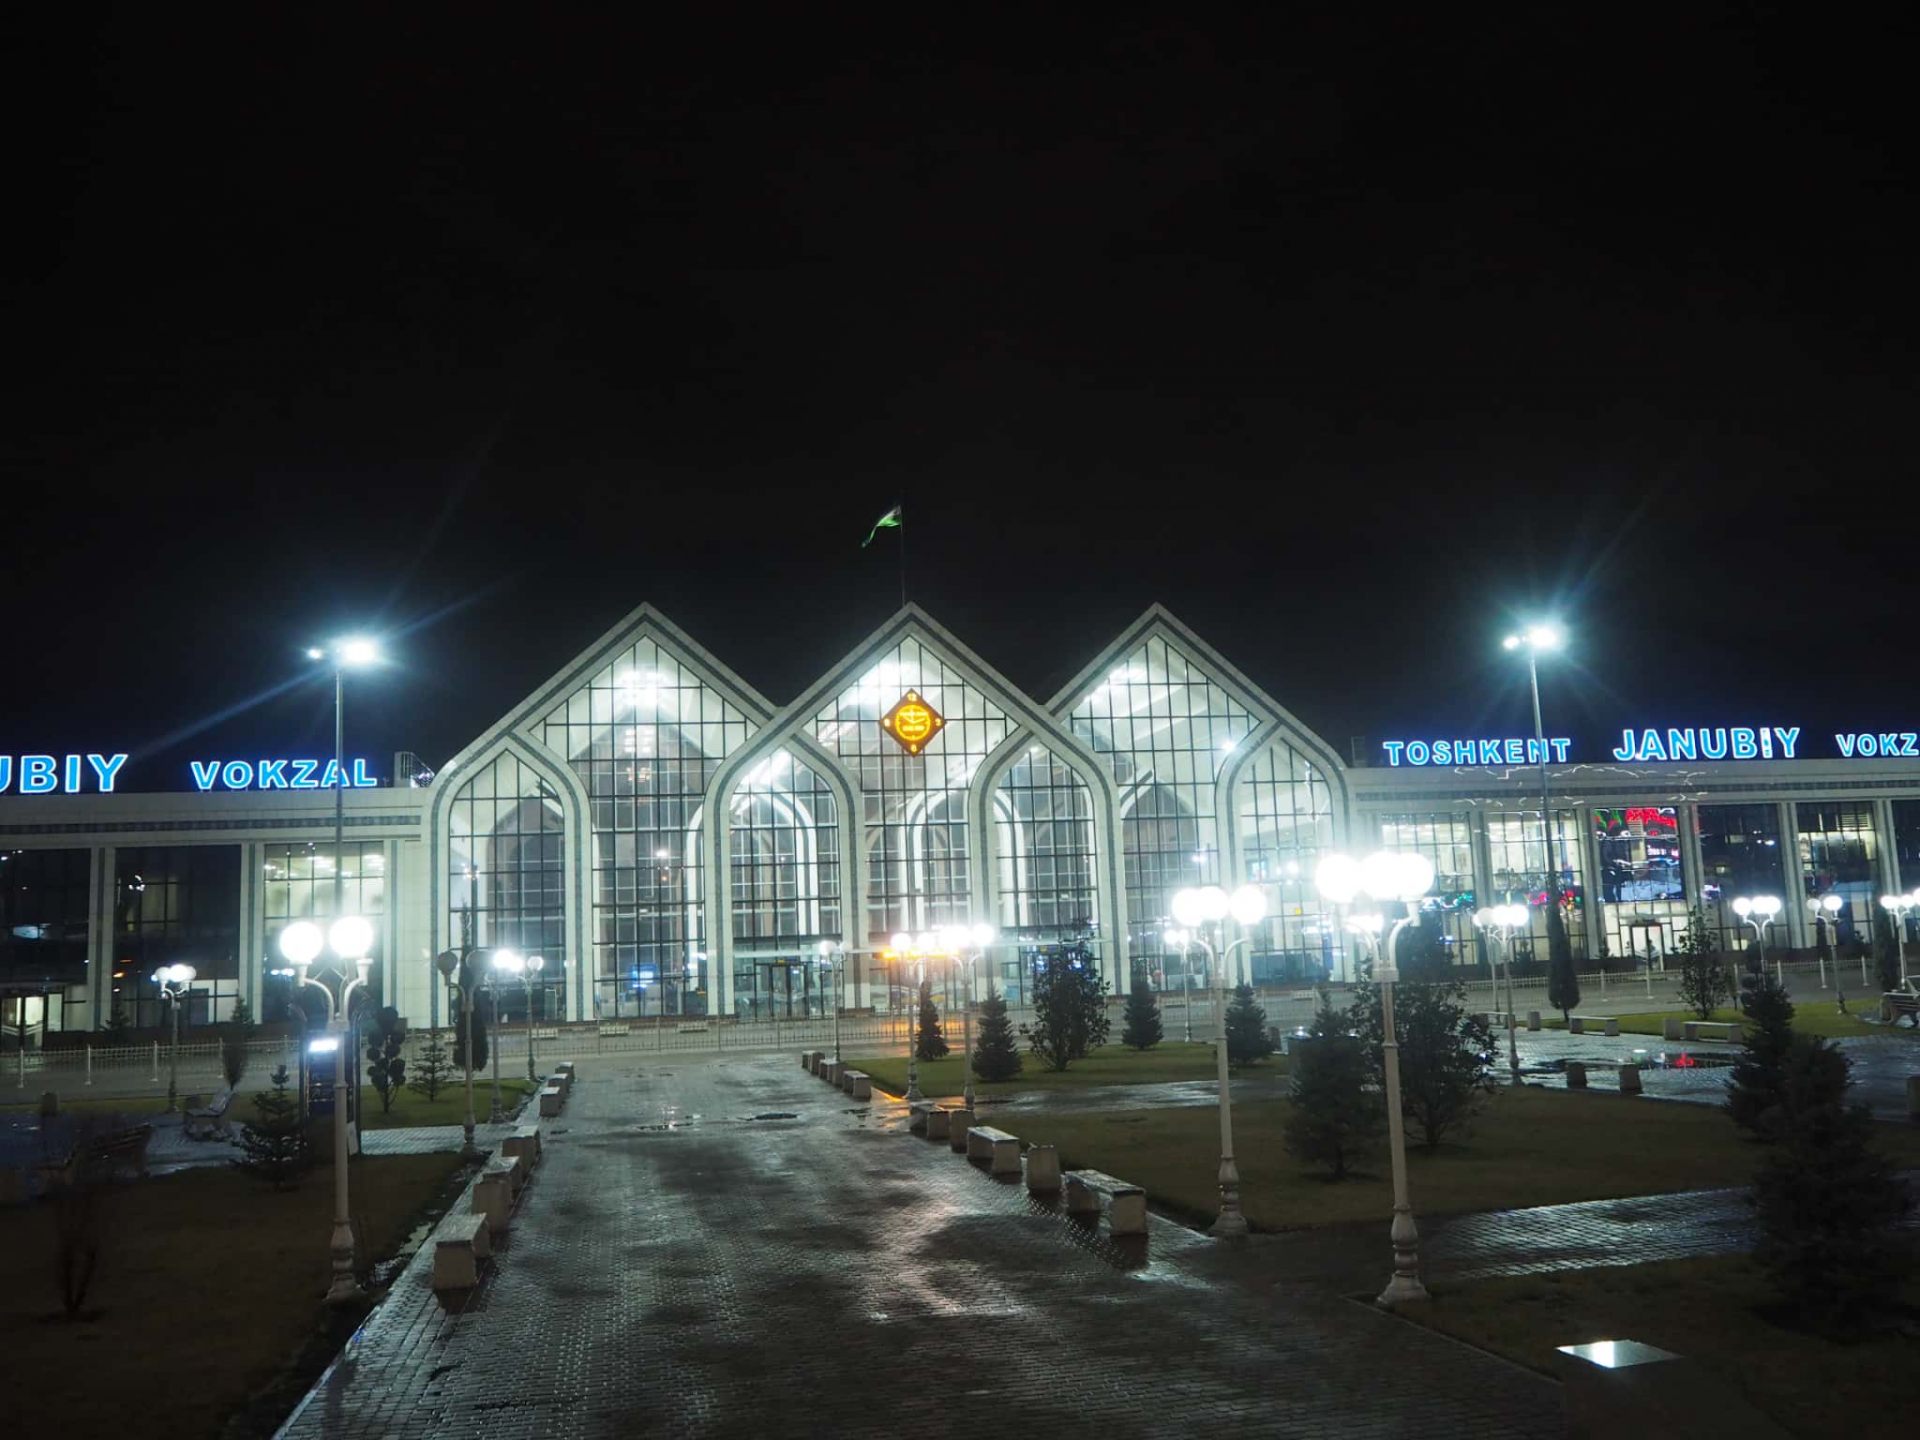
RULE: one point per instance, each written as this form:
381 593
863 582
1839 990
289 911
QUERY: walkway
727 1247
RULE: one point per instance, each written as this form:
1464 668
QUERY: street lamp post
1536 639
1897 907
969 943
1759 912
830 957
350 937
1193 908
173 981
1388 876
453 965
903 946
526 970
1173 935
1501 921
1828 908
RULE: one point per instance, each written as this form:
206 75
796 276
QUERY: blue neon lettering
1743 746
1624 750
1560 749
1650 747
1766 742
1419 752
106 767
38 774
1681 746
1442 753
271 775
1789 738
360 776
1909 739
1489 752
1514 752
6 771
1845 742
1713 744
330 777
236 775
1889 743
205 774
1393 749
73 774
1463 752
303 775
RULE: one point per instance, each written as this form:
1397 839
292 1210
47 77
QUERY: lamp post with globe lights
1759 912
1389 877
1183 941
526 969
356 653
173 981
1828 908
905 946
350 938
829 951
1501 921
1897 907
1195 908
453 966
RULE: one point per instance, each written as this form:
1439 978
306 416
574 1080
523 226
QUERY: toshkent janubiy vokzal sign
1695 742
71 774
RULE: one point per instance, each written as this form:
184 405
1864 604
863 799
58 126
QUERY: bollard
1913 1097
1629 1079
1576 1075
1043 1170
156 1064
89 1064
1672 1028
1533 1019
958 1124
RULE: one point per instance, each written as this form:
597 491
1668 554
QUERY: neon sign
912 722
44 774
279 775
1737 742
1508 751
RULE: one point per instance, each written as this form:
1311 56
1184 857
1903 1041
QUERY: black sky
1347 339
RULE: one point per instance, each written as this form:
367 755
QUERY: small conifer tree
997 1056
1069 1007
1141 1029
233 1044
1247 1040
1886 949
481 1021
433 1067
1333 1114
930 1043
273 1146
1563 986
1704 980
1757 1083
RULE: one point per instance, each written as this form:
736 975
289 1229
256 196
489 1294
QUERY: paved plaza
728 1247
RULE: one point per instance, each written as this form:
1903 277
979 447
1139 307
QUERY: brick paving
730 1248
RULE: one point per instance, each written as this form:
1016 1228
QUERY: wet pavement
730 1248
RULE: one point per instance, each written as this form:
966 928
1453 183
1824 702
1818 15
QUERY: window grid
506 875
1044 849
1739 855
176 904
785 885
1642 878
1837 850
1286 825
1520 870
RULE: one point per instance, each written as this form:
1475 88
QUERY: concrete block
863 1087
524 1141
1576 1075
959 1122
493 1198
938 1122
1613 1026
550 1102
463 1242
1533 1019
1043 1170
1673 1028
1629 1079
1913 1097
1576 1025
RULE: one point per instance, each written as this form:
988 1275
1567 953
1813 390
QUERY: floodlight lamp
323 1045
364 965
1247 905
446 962
356 652
1337 878
1831 904
351 936
300 942
314 652
1768 905
1742 906
508 960
983 935
1512 642
953 937
1545 637
1189 909
1891 902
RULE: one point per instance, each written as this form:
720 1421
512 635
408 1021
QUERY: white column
1693 867
1794 896
1886 841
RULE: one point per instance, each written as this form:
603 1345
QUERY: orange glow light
912 722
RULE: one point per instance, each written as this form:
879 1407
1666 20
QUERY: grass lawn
449 1107
1530 1146
1703 1309
1108 1065
1810 1017
209 1286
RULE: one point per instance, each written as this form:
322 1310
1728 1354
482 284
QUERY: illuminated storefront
675 844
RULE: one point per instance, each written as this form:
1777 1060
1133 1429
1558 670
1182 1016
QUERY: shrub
997 1056
274 1146
1333 1112
482 1022
1069 1007
1446 1055
929 1042
1142 1029
1704 978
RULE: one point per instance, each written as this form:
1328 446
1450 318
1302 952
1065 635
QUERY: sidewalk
730 1248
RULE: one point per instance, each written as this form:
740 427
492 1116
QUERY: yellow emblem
913 722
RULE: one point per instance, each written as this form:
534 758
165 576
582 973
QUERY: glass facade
1286 825
1739 855
913 808
176 905
1044 850
44 931
1838 851
1164 728
1521 869
786 886
1906 843
506 876
1642 879
645 734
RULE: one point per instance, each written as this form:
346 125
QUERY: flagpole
903 555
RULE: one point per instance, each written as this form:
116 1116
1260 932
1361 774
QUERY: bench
551 1098
615 1032
208 1121
1000 1150
699 1029
493 1196
939 1122
459 1247
959 1122
1729 1030
1043 1170
525 1140
1089 1192
858 1084
545 1032
104 1154
1895 1003
1577 1024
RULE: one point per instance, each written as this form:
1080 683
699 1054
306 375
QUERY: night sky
1350 341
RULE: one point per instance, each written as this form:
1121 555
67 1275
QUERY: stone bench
546 1032
1729 1030
525 1140
493 1196
1089 1192
939 1122
551 1099
959 1125
830 1070
462 1242
1043 1170
917 1116
857 1083
1895 1003
1577 1024
1630 1079
1000 1150
615 1032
